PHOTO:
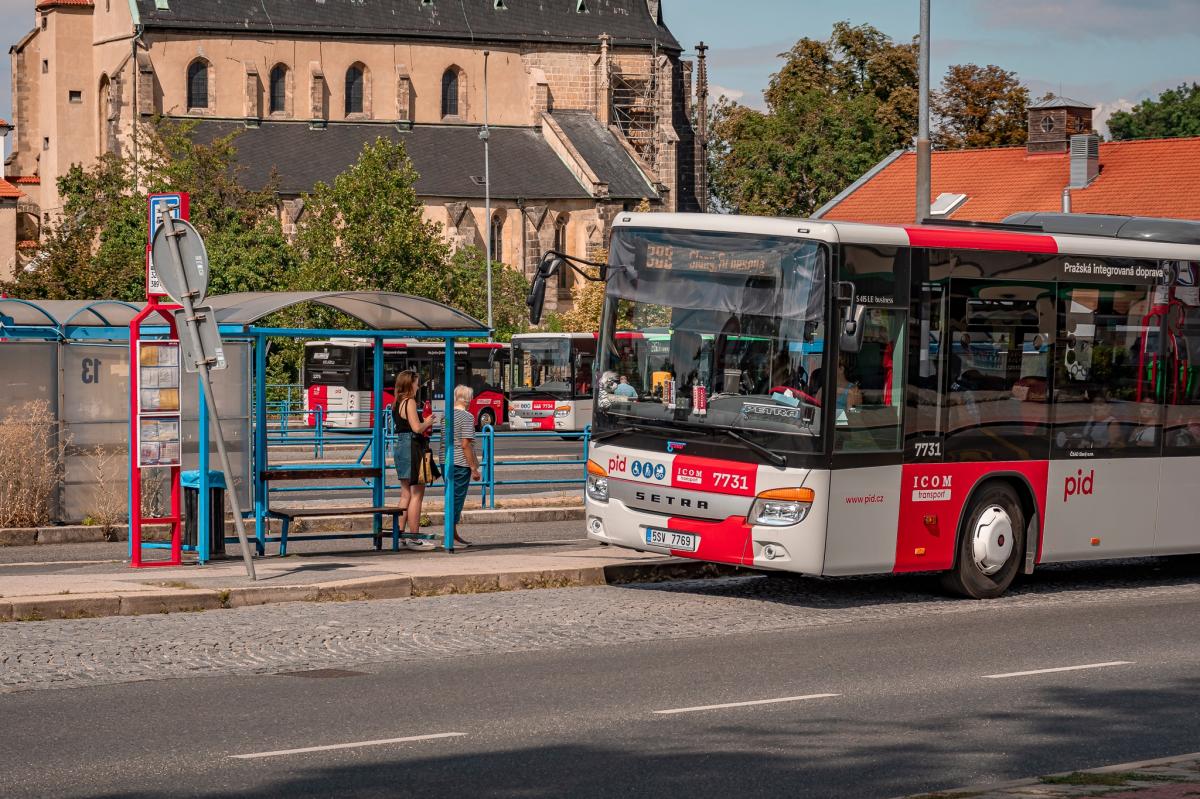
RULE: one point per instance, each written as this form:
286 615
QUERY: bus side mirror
536 299
852 318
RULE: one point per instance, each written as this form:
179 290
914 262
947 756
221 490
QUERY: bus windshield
541 365
732 336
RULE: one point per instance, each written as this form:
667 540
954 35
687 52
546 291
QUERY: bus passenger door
1179 471
1103 492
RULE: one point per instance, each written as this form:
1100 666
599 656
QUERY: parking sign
179 205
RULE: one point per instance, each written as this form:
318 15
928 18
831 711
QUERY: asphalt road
886 689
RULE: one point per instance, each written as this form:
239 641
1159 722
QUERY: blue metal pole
378 461
205 512
261 500
448 448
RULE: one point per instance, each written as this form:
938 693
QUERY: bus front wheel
989 545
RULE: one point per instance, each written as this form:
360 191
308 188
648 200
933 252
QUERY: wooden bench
286 515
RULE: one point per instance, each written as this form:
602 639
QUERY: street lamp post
923 148
484 135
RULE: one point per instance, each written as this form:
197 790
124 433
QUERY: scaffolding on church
635 107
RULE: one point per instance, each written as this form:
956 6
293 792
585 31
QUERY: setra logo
1078 485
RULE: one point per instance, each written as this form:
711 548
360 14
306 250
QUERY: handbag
426 466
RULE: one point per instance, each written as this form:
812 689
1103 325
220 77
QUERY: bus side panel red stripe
727 541
947 238
940 491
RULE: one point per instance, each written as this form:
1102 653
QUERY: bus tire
487 417
989 544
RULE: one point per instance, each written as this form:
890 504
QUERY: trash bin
190 482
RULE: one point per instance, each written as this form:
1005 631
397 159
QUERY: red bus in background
338 378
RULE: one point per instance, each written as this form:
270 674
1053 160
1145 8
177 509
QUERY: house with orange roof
1063 167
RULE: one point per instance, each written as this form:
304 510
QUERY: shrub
30 465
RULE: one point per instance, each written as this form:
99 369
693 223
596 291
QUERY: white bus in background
551 385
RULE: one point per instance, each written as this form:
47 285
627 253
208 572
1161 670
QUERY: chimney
1085 160
1052 123
5 129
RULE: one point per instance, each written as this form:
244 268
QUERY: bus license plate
683 542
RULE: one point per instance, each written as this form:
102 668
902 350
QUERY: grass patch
1115 778
948 795
180 584
33 616
223 597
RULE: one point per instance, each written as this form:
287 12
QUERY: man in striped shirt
466 463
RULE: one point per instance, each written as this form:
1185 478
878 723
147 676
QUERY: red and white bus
551 385
338 377
973 400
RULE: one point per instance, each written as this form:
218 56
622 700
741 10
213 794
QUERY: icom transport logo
676 446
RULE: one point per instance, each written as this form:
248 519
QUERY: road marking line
355 745
745 704
1060 668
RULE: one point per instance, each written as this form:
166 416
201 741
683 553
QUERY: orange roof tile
8 191
42 4
4 123
27 244
30 180
1148 177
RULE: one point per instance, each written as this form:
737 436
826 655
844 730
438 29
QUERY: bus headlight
781 507
597 482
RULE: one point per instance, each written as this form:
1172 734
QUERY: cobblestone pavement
268 639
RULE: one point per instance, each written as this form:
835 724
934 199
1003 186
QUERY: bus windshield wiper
773 458
635 427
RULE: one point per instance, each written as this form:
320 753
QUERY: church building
591 107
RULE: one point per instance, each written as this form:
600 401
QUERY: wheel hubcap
992 542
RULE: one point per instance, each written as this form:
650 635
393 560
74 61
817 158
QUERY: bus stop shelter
249 318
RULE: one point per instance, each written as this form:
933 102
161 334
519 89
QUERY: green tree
980 107
96 247
367 231
833 111
1176 112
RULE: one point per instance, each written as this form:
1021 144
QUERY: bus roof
1068 234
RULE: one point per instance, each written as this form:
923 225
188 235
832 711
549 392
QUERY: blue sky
1109 52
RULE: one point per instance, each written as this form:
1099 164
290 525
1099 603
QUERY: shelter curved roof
378 310
59 313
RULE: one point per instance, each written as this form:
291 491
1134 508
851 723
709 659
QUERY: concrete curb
187 600
83 534
1048 791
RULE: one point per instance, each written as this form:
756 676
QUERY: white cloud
1105 110
716 90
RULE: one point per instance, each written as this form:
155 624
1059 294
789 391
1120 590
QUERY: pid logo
618 464
1078 485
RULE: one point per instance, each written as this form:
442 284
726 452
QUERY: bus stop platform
35 591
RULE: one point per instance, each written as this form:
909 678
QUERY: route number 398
733 481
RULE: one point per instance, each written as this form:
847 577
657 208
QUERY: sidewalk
73 589
1176 777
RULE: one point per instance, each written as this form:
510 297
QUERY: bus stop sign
187 275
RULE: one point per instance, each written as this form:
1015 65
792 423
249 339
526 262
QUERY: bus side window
869 386
1183 361
1107 387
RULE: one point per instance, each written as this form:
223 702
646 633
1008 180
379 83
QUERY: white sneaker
419 544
